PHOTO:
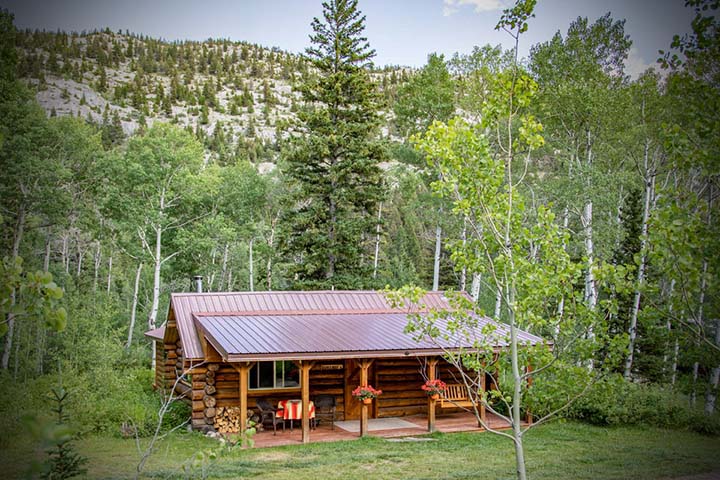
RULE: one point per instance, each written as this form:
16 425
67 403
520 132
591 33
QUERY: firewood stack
227 419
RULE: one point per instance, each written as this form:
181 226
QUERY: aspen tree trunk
46 260
223 273
80 256
561 303
133 309
711 394
271 244
109 275
498 303
475 287
590 284
19 230
40 337
436 265
157 260
700 324
377 241
97 260
251 271
64 253
463 272
649 193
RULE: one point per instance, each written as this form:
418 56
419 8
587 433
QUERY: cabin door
352 380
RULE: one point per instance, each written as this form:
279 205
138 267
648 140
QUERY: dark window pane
292 374
253 376
266 374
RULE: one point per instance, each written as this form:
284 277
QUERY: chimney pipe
197 281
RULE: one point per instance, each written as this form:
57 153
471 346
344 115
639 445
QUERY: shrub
614 401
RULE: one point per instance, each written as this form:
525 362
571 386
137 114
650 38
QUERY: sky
403 32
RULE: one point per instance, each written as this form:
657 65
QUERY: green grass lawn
557 451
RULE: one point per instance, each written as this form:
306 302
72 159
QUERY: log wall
400 381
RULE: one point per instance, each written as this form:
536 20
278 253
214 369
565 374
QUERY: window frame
256 369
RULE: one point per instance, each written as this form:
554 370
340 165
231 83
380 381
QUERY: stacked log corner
166 363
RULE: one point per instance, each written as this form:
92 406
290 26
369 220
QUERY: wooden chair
268 412
325 406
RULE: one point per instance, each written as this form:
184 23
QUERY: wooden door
352 380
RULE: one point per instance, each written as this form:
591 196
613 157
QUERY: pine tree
64 462
335 164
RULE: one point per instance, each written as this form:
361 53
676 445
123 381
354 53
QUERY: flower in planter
365 392
434 387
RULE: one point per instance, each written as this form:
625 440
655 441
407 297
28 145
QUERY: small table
292 410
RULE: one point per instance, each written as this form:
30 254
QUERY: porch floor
446 423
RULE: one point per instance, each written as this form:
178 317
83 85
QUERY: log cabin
224 350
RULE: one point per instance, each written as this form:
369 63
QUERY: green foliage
27 295
64 461
427 97
614 401
334 163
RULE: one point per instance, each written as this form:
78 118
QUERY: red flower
434 387
367 391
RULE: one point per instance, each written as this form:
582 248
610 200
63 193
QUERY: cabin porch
445 423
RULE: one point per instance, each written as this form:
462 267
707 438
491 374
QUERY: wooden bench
455 396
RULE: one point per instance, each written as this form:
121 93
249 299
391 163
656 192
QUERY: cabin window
279 374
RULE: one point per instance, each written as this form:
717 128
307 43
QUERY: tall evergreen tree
335 162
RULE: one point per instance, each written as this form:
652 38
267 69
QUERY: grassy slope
559 451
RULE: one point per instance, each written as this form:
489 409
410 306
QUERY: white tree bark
640 281
475 287
157 261
377 241
109 275
436 264
223 272
463 272
17 240
133 310
96 265
251 270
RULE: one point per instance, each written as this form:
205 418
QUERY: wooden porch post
432 375
364 367
243 370
305 367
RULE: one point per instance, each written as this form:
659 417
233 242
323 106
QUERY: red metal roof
257 337
185 305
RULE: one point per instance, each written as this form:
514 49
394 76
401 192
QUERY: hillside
238 98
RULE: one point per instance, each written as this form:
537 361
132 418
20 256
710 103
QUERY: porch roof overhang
157 334
249 338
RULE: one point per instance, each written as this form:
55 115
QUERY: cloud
635 64
452 6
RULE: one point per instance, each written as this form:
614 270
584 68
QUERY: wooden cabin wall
400 380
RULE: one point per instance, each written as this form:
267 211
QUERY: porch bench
455 396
